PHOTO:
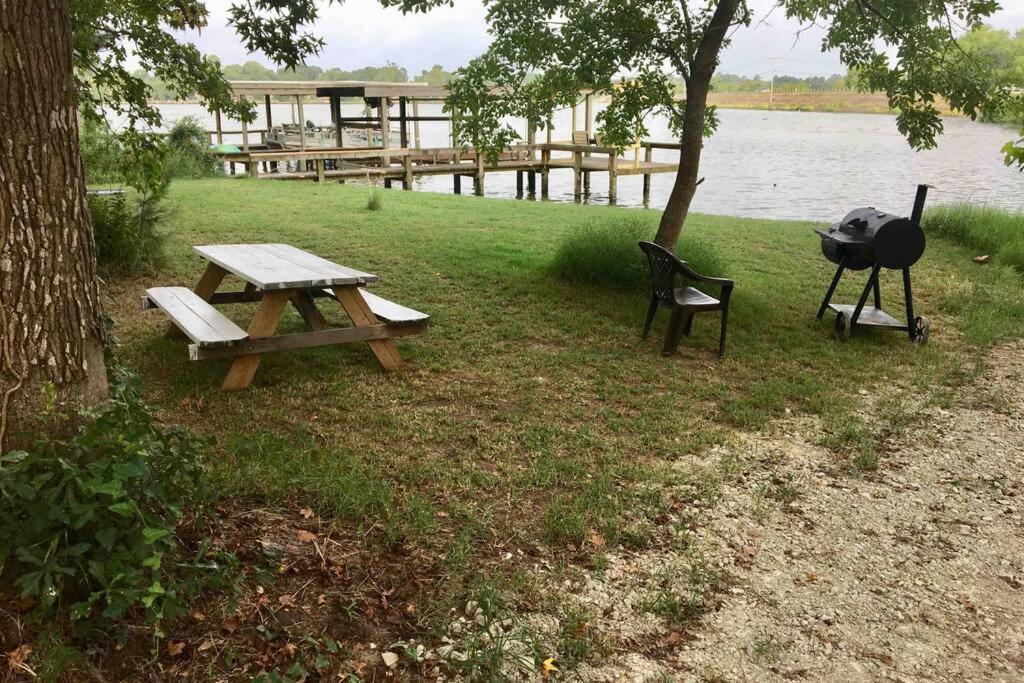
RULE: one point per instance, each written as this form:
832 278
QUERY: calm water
767 164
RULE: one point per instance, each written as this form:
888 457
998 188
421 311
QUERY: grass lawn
530 415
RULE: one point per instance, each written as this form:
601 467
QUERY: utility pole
771 91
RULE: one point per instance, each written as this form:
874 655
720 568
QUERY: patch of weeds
859 444
683 595
499 648
767 648
781 488
853 442
375 199
577 640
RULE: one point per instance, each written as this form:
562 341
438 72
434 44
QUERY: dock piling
519 184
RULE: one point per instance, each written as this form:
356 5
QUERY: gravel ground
912 572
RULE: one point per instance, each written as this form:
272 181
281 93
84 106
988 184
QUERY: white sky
356 36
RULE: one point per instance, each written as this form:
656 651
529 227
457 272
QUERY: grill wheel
842 327
921 329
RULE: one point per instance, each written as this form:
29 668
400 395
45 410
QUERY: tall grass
985 229
605 253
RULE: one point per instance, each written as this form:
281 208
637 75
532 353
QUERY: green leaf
151 535
106 536
125 509
153 561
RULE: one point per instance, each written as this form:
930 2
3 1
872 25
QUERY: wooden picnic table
276 274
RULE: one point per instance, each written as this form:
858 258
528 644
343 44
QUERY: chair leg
651 310
725 324
688 325
673 334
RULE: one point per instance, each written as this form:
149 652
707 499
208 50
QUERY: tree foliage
905 48
107 33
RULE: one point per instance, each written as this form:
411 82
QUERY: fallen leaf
18 655
596 540
321 599
198 616
230 624
306 512
286 601
981 259
174 649
206 645
548 667
305 536
289 649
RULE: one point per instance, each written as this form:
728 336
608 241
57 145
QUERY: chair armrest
722 282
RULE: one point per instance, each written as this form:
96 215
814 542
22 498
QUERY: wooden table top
281 266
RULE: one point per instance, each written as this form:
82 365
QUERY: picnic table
276 274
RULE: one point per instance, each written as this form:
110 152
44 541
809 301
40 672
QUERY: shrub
606 254
91 525
984 229
124 230
188 152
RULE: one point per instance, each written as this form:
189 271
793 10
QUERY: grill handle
922 195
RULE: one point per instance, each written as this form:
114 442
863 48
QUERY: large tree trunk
698 84
50 321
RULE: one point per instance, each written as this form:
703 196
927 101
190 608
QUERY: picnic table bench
276 274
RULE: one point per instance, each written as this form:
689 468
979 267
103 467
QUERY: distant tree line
254 71
725 82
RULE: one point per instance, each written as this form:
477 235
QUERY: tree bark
698 84
51 329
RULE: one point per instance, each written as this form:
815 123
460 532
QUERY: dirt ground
913 571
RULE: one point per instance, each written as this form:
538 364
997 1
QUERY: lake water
769 164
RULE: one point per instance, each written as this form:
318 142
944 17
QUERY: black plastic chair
684 300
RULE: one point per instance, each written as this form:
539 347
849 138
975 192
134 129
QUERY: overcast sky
356 36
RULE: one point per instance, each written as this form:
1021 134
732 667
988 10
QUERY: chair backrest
664 266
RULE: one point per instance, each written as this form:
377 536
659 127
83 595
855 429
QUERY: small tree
545 51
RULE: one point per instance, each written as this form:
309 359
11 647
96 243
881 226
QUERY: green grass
987 230
531 411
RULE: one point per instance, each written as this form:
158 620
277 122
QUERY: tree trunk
51 346
698 84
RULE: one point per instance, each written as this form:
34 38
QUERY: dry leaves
174 649
16 657
305 536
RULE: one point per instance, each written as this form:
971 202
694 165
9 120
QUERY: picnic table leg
306 306
354 304
208 284
263 325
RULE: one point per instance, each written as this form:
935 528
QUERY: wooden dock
300 152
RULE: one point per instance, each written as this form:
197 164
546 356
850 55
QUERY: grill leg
872 282
909 296
878 295
832 288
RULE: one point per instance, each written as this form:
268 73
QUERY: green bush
606 254
188 152
90 526
984 229
125 232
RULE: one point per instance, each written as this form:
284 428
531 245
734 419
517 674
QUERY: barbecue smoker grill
867 238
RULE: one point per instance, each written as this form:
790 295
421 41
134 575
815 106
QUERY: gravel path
912 572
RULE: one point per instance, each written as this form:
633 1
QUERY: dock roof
340 89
